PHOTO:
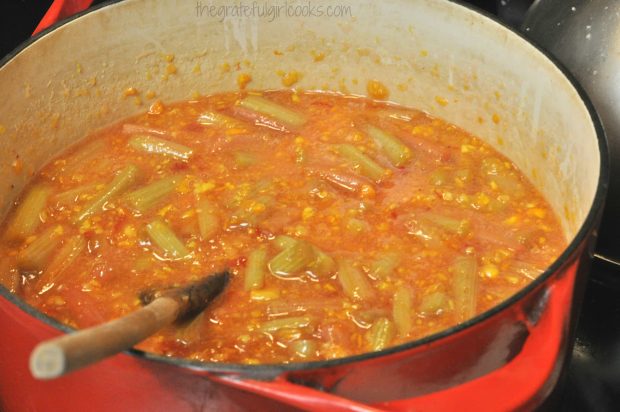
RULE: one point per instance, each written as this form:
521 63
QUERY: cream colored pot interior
431 54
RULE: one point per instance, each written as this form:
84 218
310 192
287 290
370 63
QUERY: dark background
592 382
18 18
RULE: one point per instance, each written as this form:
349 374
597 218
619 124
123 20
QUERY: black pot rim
271 370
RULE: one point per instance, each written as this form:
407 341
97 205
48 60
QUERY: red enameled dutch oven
435 55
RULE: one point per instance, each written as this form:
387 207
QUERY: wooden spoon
56 357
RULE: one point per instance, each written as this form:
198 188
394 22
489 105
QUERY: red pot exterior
509 361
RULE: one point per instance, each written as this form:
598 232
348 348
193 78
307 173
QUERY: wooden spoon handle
58 356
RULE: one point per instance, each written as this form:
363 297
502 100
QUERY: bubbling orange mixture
349 225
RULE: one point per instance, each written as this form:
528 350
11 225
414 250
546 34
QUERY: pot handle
523 383
61 9
298 396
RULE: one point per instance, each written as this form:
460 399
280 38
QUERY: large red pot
435 55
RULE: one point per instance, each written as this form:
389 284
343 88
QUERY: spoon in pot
58 356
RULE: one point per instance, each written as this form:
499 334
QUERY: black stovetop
592 381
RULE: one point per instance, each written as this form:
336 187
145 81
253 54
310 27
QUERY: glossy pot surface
434 55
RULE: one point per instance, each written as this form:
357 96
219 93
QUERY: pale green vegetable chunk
264 295
284 307
209 222
150 195
304 348
455 226
219 119
380 334
361 162
244 159
357 226
509 184
284 242
324 265
70 196
383 268
434 303
121 182
144 263
255 269
271 109
285 323
528 270
463 175
354 283
465 283
38 254
208 219
27 216
155 145
163 236
67 254
396 151
292 259
402 310
439 177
